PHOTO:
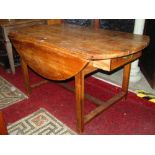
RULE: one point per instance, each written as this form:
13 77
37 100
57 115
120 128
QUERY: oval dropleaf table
64 51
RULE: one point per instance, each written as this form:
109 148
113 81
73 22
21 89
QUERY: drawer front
118 62
111 64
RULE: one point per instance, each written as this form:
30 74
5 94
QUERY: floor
133 116
116 79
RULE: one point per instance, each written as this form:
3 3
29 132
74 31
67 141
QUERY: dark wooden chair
55 21
95 22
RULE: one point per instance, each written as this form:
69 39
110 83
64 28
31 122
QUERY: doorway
147 60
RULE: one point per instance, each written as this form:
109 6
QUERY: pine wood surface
84 42
59 46
59 52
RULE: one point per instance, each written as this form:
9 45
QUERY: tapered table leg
126 76
79 90
26 76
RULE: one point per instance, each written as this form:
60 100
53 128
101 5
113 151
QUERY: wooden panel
102 64
50 63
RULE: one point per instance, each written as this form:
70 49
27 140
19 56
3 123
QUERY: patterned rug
146 95
40 122
9 94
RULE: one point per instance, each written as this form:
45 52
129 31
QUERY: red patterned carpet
133 116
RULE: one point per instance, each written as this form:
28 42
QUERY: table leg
126 76
26 76
3 128
79 90
8 46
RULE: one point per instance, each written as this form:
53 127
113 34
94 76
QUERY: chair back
55 21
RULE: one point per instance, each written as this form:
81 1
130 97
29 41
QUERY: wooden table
8 25
65 51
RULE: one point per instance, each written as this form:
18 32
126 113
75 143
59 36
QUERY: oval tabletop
84 42
60 52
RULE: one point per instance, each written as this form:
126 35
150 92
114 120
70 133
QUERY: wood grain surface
88 43
60 46
59 52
